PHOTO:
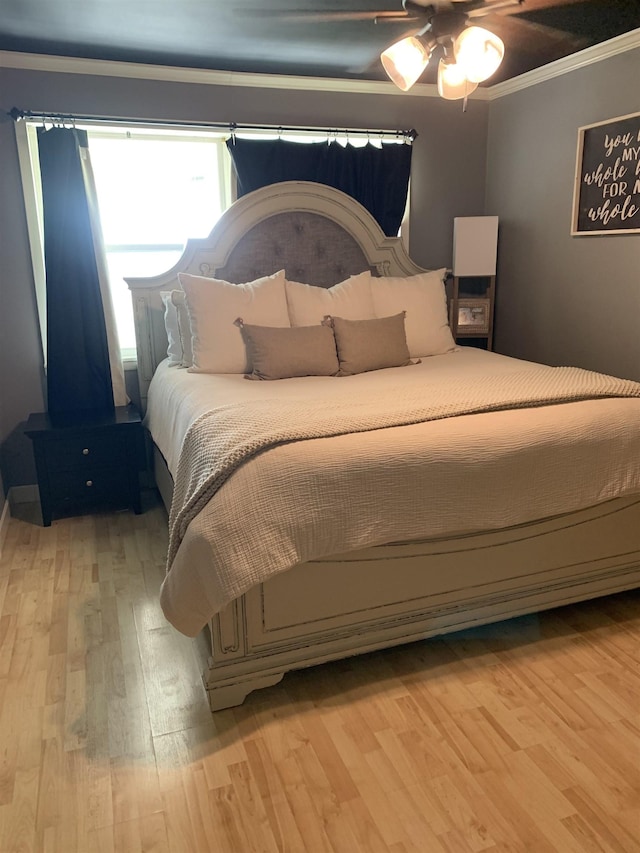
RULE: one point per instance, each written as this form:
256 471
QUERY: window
155 191
156 187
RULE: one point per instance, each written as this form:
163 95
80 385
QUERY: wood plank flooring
522 736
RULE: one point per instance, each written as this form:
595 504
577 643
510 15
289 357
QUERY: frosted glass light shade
405 61
452 82
478 52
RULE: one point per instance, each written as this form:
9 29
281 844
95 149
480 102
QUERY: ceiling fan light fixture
479 53
453 84
405 61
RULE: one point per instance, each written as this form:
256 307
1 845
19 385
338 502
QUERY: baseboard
23 494
17 495
5 515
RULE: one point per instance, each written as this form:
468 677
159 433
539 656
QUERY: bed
367 517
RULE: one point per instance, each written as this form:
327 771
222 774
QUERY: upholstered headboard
309 247
317 234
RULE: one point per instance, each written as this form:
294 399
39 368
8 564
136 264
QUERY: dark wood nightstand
84 461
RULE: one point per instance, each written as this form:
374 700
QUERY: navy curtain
78 369
376 177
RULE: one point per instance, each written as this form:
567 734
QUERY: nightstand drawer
92 486
80 453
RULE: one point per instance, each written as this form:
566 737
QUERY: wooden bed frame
392 594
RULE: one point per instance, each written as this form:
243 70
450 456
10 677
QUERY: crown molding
202 76
588 56
207 77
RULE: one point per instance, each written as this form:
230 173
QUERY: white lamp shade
479 52
452 82
475 245
405 61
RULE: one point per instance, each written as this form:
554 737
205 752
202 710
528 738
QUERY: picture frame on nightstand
473 316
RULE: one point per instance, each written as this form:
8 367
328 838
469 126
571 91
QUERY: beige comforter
235 520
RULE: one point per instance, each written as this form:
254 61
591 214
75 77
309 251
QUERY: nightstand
85 461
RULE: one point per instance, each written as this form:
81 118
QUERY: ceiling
298 37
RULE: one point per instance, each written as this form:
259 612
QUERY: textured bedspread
232 526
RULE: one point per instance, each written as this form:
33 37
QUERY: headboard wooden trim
385 255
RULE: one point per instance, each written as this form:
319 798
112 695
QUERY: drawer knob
89 483
85 451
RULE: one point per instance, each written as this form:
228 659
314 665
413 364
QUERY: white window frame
32 192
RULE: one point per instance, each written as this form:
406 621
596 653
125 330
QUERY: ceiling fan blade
488 8
312 17
517 34
538 5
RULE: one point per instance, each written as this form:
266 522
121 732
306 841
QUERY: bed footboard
385 596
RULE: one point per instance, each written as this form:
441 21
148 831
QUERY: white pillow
184 326
214 306
176 322
350 299
174 350
424 299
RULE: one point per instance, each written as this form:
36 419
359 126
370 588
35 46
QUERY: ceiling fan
442 30
468 54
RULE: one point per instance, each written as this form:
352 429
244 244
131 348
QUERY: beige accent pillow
285 353
424 300
370 344
214 305
350 299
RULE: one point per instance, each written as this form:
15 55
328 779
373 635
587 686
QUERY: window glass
155 191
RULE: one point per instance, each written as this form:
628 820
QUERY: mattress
309 499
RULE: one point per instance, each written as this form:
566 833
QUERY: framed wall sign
606 194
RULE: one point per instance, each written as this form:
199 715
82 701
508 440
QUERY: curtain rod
231 127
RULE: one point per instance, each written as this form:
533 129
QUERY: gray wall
561 299
448 179
20 350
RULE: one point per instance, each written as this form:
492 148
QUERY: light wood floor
521 736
